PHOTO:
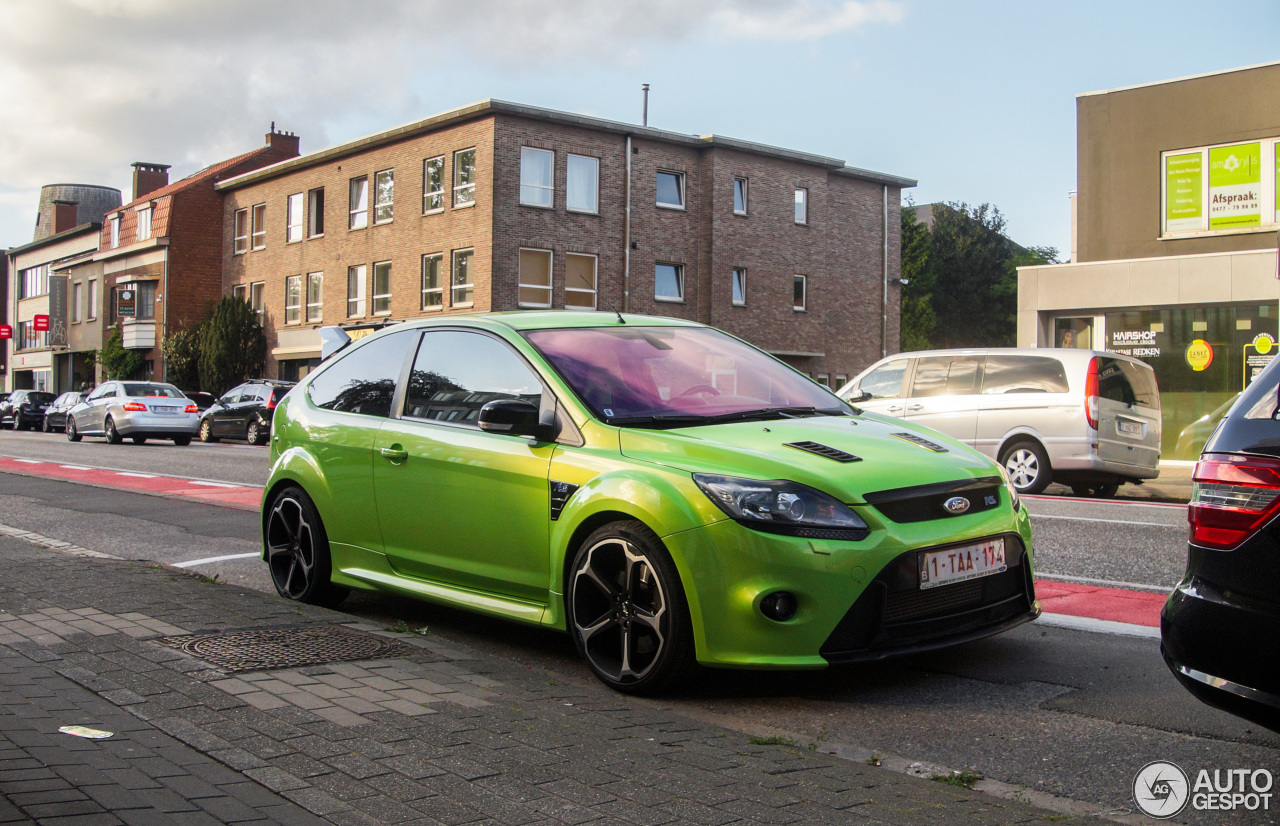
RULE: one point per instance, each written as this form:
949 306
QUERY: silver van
1083 418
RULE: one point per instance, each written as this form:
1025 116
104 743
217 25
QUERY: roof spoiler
332 340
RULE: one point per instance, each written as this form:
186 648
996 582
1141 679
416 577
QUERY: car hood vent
825 451
922 441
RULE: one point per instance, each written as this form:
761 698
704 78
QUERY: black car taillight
1231 497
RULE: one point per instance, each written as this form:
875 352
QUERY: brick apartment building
500 206
163 249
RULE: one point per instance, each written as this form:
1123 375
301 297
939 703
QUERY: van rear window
1023 374
1127 383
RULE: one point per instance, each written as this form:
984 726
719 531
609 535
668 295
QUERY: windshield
677 375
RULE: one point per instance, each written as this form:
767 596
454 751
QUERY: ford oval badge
956 505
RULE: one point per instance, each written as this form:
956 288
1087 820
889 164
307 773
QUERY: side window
1023 374
945 376
102 392
363 380
458 372
884 382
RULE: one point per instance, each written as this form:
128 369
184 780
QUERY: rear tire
138 440
109 431
182 441
1098 491
254 434
1027 465
73 435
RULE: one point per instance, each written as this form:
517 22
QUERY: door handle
395 455
915 407
893 409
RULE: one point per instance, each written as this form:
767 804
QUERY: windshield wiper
658 421
777 413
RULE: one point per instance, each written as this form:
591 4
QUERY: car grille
925 502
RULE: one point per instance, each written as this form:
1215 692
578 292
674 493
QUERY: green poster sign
1184 192
1235 186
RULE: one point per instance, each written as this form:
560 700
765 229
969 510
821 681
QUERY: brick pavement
435 735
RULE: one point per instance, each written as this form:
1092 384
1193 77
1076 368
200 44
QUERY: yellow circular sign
1263 342
1199 354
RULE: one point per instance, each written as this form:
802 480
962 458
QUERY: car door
222 420
944 394
460 506
881 389
1026 393
90 418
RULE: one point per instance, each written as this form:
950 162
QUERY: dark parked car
24 409
1219 627
55 418
244 412
203 400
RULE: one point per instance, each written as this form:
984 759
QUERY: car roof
553 320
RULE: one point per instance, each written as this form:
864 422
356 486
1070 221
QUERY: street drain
289 647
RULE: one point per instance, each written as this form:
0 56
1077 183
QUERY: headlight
782 507
1013 492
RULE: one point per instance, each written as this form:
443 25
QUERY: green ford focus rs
662 491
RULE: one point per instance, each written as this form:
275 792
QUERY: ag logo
956 504
1161 789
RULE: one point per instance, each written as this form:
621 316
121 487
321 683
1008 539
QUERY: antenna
644 118
621 320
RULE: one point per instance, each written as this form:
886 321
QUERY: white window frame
241 291
801 281
315 212
240 231
521 284
680 188
462 288
384 202
142 215
91 292
433 296
738 284
532 193
357 281
114 229
315 297
258 227
293 299
76 301
293 218
584 164
571 289
679 273
464 192
256 291
382 299
358 204
432 199
740 185
802 205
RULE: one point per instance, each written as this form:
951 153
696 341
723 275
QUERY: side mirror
859 396
514 416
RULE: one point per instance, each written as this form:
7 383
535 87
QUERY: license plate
1131 427
960 564
164 409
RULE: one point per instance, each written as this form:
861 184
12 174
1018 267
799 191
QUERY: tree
917 316
182 358
118 362
232 346
975 304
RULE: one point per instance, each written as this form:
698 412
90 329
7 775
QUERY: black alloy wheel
109 431
298 550
627 610
206 431
73 435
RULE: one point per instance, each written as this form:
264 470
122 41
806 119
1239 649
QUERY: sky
975 99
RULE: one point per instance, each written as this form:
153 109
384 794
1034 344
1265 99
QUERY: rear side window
1127 383
945 376
1023 374
363 380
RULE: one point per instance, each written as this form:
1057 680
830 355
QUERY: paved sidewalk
425 733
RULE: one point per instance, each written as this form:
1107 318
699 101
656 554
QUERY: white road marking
213 484
1099 626
1110 583
74 467
136 475
213 559
1179 526
29 461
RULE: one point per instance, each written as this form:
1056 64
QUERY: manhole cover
288 647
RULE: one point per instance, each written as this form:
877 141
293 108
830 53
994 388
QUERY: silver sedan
137 410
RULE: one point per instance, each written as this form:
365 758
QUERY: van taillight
1091 394
1231 497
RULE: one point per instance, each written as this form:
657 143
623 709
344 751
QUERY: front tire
298 550
627 610
48 428
73 435
1028 466
206 432
109 431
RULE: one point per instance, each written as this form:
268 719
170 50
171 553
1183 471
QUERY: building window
463 289
582 184
315 212
433 184
382 288
668 282
799 298
464 177
580 282
293 218
293 299
739 196
537 176
359 205
35 281
258 224
144 222
92 293
535 279
739 286
671 190
114 227
77 301
355 291
315 296
432 282
241 231
384 190
28 338
241 291
841 378
146 299
824 379
256 290
802 206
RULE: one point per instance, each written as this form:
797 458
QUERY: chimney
285 143
65 215
148 177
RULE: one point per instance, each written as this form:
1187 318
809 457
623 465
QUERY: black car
203 400
55 418
1219 627
24 409
244 412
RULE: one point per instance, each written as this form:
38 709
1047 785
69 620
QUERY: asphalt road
1047 709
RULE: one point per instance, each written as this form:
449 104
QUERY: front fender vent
824 451
560 493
